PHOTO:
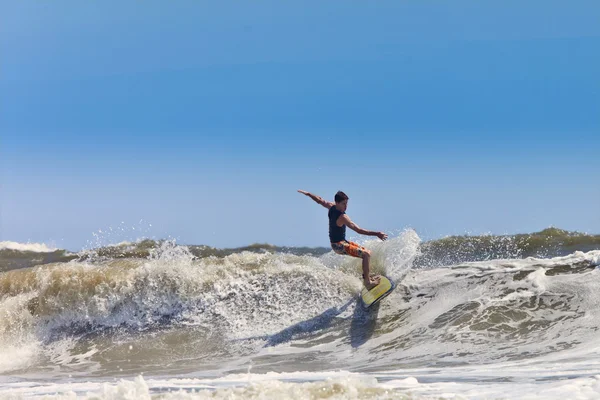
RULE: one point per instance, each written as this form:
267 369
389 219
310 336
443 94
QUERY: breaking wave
291 312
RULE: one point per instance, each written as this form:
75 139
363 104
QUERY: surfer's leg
366 268
369 282
356 250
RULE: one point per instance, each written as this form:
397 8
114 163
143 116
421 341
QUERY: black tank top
336 233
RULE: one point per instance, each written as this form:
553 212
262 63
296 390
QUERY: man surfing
338 220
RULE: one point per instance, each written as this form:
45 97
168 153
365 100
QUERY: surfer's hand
382 235
302 191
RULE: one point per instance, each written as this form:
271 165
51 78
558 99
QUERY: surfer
338 220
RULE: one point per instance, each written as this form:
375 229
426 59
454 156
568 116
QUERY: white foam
332 385
392 258
33 247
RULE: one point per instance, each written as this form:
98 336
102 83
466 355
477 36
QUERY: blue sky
203 118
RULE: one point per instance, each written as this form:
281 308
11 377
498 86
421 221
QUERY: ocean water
471 317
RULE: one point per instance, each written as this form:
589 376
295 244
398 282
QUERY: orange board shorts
348 248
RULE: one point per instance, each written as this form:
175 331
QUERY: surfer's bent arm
318 199
345 219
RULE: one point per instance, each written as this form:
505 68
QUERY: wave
332 385
140 292
550 242
145 248
241 295
293 311
26 247
14 255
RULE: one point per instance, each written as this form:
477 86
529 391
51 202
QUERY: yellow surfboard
375 295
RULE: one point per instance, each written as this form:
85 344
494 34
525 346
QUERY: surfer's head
341 201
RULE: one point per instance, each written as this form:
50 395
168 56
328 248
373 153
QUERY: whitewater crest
551 242
27 247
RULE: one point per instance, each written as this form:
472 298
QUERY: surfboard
375 295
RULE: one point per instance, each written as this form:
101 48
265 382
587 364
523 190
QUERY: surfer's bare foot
372 282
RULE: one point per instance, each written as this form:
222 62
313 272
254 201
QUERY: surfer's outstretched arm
324 203
348 222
